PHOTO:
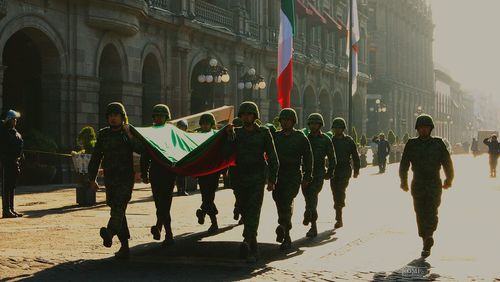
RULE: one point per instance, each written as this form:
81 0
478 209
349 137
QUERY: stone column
87 102
132 100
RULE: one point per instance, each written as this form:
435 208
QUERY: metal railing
329 56
273 35
254 30
160 4
299 44
213 14
364 68
315 51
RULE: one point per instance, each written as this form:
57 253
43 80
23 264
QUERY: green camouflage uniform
293 151
345 151
115 151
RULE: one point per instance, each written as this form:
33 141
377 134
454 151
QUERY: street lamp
251 81
380 108
216 74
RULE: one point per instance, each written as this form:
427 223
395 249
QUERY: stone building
401 63
62 62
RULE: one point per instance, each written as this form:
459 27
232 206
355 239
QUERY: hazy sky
467 41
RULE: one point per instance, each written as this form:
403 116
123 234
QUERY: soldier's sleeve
136 145
272 156
332 159
388 147
355 157
447 164
486 142
96 158
145 164
404 165
307 160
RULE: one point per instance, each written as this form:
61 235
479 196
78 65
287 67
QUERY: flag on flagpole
285 51
353 37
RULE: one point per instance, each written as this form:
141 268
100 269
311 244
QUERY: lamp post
214 74
379 108
470 129
251 81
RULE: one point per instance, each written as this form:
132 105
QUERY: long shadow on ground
190 259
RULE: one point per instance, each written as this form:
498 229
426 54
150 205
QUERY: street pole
349 62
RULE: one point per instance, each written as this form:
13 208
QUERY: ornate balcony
254 30
315 51
299 45
273 35
160 4
214 15
329 56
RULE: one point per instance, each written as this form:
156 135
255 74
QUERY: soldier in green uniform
294 151
255 154
426 154
208 183
322 147
346 153
162 182
114 147
232 173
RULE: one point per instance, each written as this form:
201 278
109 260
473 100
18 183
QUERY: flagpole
349 121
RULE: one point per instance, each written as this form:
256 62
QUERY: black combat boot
17 214
200 214
253 255
169 238
307 217
6 207
155 231
124 251
287 242
107 238
214 227
280 233
236 214
244 249
428 243
338 218
8 214
313 232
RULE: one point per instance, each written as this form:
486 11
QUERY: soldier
162 182
208 183
383 150
345 151
251 144
493 151
11 152
426 154
181 180
114 147
322 147
293 150
232 174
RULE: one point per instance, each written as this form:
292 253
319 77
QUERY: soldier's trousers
232 174
250 194
339 187
10 173
311 197
162 187
117 197
382 162
208 187
426 201
493 162
284 194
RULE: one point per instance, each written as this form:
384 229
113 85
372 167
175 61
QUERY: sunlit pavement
57 240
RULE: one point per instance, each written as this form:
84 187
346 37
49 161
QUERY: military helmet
315 118
161 110
424 120
182 123
249 107
207 118
11 114
338 122
237 122
288 113
117 108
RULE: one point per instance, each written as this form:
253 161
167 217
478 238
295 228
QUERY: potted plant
362 151
86 141
391 138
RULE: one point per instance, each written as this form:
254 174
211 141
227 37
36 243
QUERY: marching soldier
162 182
232 174
252 144
383 150
322 147
345 152
294 151
208 183
11 152
427 155
114 147
493 151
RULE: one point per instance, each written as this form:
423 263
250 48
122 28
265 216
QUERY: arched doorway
357 113
110 75
151 93
31 83
337 109
274 106
325 109
295 102
205 96
309 103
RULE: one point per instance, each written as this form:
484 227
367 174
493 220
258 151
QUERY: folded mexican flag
191 154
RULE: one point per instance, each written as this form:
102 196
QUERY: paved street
58 240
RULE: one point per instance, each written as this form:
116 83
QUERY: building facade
401 64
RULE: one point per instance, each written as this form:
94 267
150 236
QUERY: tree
86 139
391 137
406 137
354 135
